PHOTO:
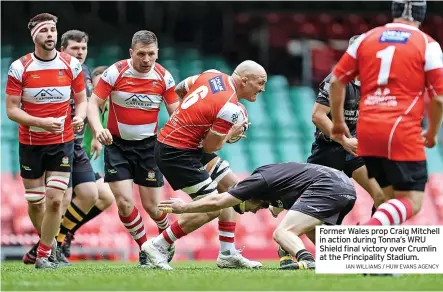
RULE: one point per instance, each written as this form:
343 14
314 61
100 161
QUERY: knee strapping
204 188
219 169
35 195
57 182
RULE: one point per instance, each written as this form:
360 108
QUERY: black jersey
78 136
352 101
282 184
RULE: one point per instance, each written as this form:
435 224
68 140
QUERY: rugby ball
243 116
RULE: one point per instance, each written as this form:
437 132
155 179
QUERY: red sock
173 232
226 231
43 250
135 226
392 212
162 222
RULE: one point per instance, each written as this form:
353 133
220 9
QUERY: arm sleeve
434 69
78 81
249 188
347 68
169 96
14 85
228 115
323 93
106 83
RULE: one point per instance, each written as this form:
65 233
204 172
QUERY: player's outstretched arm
206 204
337 92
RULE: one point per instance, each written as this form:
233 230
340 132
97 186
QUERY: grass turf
197 276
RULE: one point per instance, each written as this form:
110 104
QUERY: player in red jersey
207 117
136 87
37 98
396 63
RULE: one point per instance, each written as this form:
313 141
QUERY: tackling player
207 117
396 63
37 97
326 196
136 87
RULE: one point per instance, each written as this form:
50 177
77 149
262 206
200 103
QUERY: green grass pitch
198 276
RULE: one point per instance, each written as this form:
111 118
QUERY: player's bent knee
218 168
57 182
202 189
35 196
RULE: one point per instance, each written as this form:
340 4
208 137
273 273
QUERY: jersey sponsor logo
141 101
217 84
394 36
234 118
49 95
381 97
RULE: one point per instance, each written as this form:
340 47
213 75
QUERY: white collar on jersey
139 73
403 25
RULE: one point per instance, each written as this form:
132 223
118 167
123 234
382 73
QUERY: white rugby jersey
135 98
45 88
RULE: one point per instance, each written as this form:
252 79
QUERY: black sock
94 212
304 255
373 210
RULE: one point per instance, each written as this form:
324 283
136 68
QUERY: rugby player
136 87
208 116
37 98
396 63
326 196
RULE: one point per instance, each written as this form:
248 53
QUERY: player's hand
339 131
96 149
77 123
238 130
350 145
429 139
173 205
104 136
52 125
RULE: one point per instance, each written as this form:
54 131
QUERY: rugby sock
94 212
226 232
304 255
162 222
135 226
73 216
168 236
43 250
393 212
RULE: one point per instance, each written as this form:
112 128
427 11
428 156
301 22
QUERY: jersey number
194 96
386 56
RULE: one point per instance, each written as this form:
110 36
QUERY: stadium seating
252 231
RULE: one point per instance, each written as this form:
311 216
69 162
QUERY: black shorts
401 175
132 160
327 200
36 159
185 169
335 156
82 171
